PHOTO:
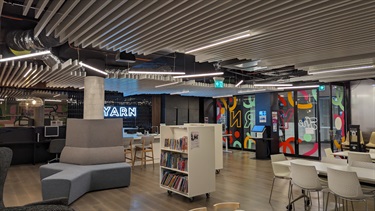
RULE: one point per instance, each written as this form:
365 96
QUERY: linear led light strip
93 68
222 96
198 75
25 56
239 83
279 85
221 42
178 93
342 69
168 84
156 73
52 100
299 87
251 91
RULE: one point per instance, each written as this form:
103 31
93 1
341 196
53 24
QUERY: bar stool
147 146
128 148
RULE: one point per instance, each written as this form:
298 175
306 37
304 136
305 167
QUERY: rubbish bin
262 148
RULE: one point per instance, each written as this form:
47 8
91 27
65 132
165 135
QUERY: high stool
147 146
128 148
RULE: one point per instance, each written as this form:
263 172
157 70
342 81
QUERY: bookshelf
187 160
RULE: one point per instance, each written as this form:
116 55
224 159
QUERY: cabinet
187 160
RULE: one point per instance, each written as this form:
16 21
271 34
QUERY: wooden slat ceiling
301 33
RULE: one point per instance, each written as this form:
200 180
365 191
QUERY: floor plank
243 179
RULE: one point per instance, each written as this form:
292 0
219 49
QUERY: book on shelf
174 160
177 144
175 181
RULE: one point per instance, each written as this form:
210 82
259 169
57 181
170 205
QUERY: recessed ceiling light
299 87
273 85
25 56
156 73
199 75
225 40
239 83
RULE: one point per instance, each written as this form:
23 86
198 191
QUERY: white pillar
93 98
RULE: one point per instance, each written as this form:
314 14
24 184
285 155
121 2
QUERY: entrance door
298 116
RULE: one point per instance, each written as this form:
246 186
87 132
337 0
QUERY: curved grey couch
73 181
93 159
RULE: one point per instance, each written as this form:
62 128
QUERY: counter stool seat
144 148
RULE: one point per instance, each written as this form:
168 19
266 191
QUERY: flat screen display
51 131
258 128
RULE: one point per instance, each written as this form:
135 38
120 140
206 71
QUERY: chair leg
318 201
273 181
153 162
326 207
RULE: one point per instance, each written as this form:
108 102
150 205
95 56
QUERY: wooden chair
146 147
199 209
227 206
128 149
371 142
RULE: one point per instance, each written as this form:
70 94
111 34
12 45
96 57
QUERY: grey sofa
52 204
92 159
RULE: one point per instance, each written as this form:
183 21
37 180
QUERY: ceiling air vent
125 57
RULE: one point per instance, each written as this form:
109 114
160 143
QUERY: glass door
286 122
308 130
298 123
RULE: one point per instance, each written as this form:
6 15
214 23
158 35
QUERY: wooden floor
243 179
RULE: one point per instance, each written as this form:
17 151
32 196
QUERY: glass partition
248 104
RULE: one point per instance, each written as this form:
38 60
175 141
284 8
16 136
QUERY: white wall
363 106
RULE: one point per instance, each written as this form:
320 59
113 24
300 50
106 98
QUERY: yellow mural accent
300 106
234 104
247 140
235 119
224 102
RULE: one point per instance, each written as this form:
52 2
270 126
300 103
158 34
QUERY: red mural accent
313 150
282 100
237 134
219 113
305 94
286 144
289 114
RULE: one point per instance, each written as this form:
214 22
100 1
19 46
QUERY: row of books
174 160
175 181
177 144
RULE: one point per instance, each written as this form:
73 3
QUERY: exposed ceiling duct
24 41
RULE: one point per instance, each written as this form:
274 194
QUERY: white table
364 174
226 142
345 154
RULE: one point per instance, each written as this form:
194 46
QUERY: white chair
279 172
371 143
305 177
345 185
328 152
358 156
336 161
199 209
372 151
361 164
227 206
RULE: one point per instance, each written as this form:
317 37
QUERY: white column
93 98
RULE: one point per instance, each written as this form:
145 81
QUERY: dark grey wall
180 110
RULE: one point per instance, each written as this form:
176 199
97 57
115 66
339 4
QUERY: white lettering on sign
309 122
119 111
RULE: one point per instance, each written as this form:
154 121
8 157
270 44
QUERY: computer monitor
257 131
51 131
258 128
